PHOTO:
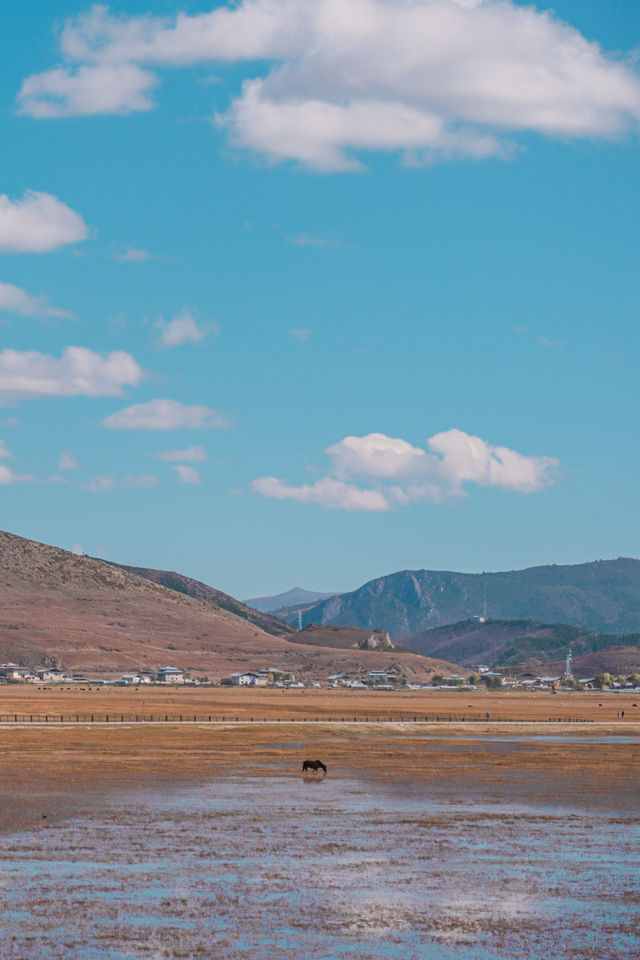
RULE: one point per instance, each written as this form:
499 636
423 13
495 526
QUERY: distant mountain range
295 598
603 596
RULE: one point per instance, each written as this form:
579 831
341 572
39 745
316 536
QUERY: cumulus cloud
68 461
86 90
15 300
4 453
194 454
79 372
165 414
327 492
8 476
182 329
430 78
38 223
378 473
187 474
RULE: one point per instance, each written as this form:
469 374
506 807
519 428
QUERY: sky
304 292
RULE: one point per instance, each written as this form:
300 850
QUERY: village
480 677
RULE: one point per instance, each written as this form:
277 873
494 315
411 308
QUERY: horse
314 765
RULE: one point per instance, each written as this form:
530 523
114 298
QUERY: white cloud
319 133
377 456
182 329
38 223
15 300
194 454
79 372
4 453
165 414
430 78
86 90
68 461
77 549
300 334
327 492
7 476
102 484
378 473
132 255
468 459
187 474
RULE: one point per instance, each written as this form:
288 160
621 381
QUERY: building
131 679
170 675
11 671
249 679
51 675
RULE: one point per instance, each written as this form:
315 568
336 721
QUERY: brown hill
344 638
90 616
618 660
213 597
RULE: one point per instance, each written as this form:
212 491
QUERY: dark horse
314 765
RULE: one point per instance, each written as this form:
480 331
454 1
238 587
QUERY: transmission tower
568 670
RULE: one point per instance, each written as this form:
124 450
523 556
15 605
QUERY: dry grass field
280 704
51 771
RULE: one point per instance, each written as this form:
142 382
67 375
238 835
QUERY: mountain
295 598
526 644
90 616
603 596
213 597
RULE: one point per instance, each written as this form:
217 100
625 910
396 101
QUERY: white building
249 679
170 675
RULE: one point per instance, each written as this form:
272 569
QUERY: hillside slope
603 596
216 598
86 615
530 645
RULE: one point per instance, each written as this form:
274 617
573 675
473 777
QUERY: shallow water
322 869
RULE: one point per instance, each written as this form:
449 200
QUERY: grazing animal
314 765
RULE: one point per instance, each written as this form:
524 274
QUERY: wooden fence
115 718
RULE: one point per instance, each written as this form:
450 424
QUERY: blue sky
355 285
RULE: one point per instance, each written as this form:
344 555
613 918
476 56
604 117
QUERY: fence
115 718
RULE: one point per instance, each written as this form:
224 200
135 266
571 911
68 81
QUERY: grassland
51 771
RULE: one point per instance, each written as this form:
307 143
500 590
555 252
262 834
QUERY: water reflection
264 868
